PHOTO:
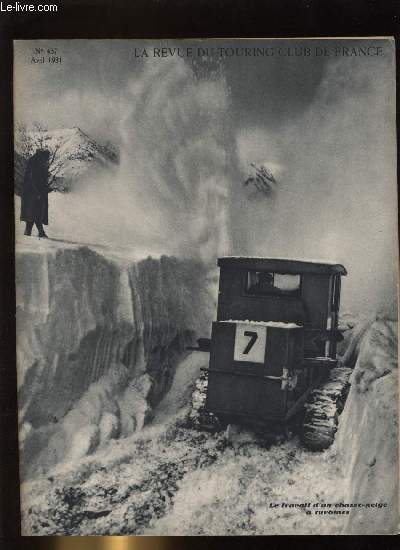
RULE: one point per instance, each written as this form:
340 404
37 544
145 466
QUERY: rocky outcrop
98 340
260 179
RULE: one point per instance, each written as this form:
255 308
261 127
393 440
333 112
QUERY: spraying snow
175 159
169 195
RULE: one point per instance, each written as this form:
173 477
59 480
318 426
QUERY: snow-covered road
171 480
168 479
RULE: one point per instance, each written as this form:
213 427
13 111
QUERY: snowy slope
367 440
170 480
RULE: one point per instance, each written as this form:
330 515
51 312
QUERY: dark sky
264 90
88 89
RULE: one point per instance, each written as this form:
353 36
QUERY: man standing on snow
35 188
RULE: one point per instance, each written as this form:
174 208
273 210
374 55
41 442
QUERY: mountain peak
75 153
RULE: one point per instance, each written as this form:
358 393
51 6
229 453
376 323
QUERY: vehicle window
262 283
287 283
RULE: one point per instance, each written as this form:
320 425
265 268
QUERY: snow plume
99 340
175 162
169 195
336 188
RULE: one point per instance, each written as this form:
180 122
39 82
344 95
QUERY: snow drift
367 439
98 339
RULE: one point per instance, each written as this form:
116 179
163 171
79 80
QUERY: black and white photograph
206 266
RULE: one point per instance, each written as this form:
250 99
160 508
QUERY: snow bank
271 324
98 340
367 439
281 258
169 480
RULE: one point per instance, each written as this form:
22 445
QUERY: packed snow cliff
98 339
367 439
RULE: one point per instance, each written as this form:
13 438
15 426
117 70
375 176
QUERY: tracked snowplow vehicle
273 350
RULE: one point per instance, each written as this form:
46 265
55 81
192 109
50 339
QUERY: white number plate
250 341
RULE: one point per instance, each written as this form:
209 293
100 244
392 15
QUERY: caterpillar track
321 418
323 409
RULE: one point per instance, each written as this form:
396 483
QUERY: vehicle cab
289 291
274 338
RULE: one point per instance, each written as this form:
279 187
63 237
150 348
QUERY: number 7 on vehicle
250 341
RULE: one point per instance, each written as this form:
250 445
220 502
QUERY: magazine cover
206 286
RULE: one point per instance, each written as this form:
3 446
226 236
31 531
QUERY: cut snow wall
367 439
97 344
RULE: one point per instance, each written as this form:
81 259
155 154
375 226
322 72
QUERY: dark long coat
35 189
